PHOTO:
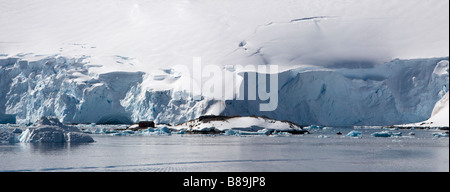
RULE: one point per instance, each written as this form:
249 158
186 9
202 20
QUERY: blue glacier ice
396 92
354 134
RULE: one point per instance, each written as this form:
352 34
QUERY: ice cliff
63 87
397 92
50 130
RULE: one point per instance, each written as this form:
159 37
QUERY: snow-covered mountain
111 61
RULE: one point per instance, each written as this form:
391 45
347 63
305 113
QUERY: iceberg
396 92
234 132
7 137
50 130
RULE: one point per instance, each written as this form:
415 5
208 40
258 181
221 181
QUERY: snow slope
110 61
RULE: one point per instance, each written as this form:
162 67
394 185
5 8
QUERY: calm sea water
323 150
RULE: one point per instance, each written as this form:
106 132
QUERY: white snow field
112 61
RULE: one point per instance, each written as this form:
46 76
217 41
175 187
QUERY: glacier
114 63
50 130
396 92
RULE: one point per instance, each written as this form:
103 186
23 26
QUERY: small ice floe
7 137
386 134
50 130
354 134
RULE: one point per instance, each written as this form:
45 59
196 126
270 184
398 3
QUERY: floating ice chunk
313 127
235 132
17 130
354 134
88 131
52 134
5 118
50 130
7 137
264 131
99 131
